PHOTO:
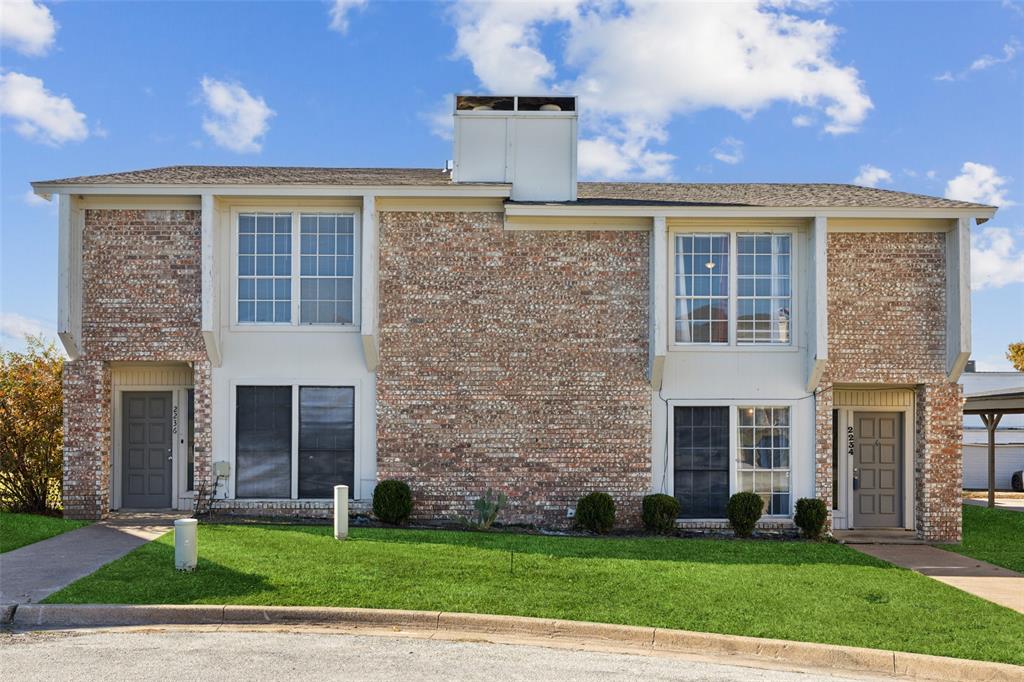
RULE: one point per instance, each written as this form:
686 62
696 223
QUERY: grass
18 530
993 535
790 590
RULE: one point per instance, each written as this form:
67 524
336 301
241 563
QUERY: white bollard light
341 512
185 547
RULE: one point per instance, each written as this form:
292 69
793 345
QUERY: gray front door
878 457
146 450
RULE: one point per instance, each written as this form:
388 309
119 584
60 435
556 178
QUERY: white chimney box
529 142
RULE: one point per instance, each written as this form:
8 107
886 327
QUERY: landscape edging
808 654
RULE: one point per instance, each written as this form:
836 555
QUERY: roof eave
498 190
981 214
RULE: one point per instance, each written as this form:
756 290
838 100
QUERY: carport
991 406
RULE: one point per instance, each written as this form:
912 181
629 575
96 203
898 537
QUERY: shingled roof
767 195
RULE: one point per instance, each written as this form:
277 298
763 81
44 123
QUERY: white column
368 283
958 297
817 337
658 270
209 325
340 512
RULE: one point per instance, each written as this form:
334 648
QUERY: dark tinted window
326 440
263 441
701 456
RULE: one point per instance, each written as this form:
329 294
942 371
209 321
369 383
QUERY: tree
31 427
1015 354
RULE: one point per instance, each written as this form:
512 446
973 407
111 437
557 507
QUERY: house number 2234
849 440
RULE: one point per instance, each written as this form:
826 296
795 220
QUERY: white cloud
997 257
872 176
33 199
440 119
636 65
729 151
931 174
803 121
16 327
605 159
979 183
27 26
986 61
37 113
339 12
236 120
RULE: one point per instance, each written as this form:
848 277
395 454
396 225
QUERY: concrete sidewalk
33 572
982 579
1010 503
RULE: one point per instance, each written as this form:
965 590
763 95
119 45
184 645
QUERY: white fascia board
958 298
658 302
468 190
818 355
69 285
562 210
368 284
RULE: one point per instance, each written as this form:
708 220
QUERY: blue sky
922 97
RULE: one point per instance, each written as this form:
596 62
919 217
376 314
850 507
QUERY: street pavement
246 655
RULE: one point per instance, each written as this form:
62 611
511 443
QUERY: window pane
702 288
327 269
264 282
764 302
263 441
326 440
701 461
763 456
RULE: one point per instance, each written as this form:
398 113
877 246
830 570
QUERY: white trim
734 405
502 190
808 212
295 383
208 247
658 302
296 212
958 298
69 277
818 355
369 266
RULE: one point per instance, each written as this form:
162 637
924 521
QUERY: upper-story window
317 261
722 298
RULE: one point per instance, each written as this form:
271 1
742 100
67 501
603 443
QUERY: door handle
170 456
856 478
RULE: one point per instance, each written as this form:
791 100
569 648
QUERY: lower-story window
266 464
701 453
763 462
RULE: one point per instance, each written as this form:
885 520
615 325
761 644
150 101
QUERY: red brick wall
512 360
887 325
140 302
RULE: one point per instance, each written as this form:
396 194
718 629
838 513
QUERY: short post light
340 512
185 547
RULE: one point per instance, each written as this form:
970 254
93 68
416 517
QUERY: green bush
660 512
596 512
744 510
392 501
811 514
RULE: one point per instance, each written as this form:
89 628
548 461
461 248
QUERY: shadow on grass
712 551
118 583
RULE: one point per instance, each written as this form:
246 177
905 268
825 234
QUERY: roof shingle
766 195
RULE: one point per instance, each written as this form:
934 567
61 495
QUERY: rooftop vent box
529 142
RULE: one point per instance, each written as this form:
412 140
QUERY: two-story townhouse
271 332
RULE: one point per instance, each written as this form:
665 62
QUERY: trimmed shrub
660 512
392 502
811 515
596 512
744 510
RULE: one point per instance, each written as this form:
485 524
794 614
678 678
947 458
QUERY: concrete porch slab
877 537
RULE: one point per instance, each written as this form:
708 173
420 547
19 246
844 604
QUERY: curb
628 637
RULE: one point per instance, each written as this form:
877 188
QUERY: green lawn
792 590
18 530
993 535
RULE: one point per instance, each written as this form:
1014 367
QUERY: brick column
938 462
823 449
203 435
86 439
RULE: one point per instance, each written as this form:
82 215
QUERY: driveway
1011 503
247 656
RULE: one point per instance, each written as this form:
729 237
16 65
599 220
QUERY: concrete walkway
31 573
1010 503
988 581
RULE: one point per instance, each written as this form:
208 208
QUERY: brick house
266 333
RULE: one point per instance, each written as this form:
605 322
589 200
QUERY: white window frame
796 299
296 276
295 384
789 469
734 406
